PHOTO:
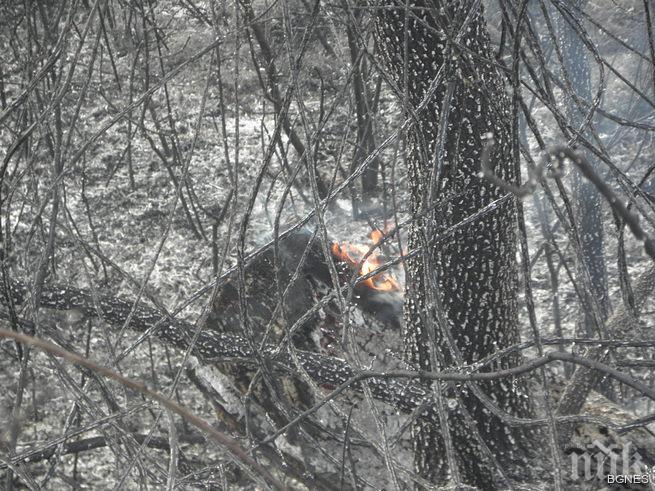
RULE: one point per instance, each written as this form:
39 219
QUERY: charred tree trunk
587 199
365 139
461 301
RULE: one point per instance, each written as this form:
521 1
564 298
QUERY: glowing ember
376 236
353 254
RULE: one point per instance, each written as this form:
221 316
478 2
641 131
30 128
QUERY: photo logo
611 464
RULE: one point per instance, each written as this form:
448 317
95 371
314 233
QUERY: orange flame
353 254
377 235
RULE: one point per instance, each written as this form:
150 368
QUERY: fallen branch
92 443
402 389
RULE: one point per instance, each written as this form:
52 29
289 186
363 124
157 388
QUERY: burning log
282 287
379 295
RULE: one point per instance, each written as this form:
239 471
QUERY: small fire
353 254
376 235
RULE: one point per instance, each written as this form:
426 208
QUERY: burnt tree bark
365 137
461 301
587 199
